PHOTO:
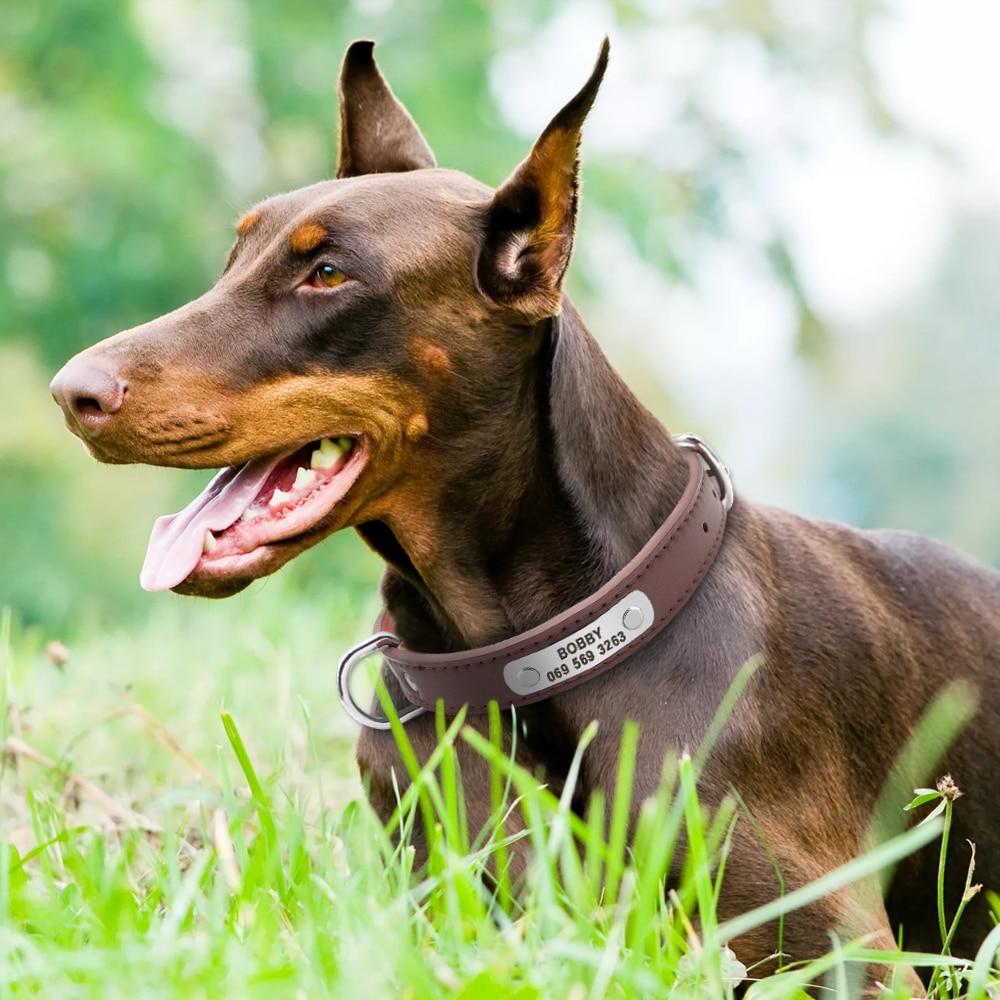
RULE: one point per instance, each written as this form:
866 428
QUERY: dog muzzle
582 642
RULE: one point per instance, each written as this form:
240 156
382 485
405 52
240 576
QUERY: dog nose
88 394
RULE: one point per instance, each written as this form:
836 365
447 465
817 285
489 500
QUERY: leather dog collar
582 642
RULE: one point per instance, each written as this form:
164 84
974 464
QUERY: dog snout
89 394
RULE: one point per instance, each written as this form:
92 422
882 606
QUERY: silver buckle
380 640
715 465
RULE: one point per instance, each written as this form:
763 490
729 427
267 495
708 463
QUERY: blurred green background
788 242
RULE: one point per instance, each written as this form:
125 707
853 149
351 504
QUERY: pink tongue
175 545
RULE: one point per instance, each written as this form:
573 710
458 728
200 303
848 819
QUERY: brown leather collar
587 639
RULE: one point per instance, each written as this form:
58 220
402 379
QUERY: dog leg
852 913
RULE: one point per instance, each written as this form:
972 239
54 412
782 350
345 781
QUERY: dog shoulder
902 582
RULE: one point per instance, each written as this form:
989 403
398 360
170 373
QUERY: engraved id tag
584 649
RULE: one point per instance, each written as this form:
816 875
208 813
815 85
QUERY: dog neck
577 481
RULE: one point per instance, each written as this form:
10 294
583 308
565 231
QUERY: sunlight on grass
234 855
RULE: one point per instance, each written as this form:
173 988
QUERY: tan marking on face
432 357
307 237
416 427
294 409
196 421
248 222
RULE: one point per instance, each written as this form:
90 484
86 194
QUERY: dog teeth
209 544
248 515
304 478
345 443
320 460
326 455
279 497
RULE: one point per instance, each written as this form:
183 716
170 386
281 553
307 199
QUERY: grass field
182 818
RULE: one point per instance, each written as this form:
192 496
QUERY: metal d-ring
380 640
715 465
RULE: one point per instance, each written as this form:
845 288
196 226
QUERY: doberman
391 351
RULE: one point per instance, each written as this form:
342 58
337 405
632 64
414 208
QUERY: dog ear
377 134
530 221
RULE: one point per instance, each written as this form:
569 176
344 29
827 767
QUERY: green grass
182 819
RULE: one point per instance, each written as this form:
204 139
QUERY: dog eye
327 276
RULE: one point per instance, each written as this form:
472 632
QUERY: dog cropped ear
377 134
530 221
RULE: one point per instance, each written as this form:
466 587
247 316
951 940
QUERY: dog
392 351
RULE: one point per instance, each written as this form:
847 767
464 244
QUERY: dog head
361 329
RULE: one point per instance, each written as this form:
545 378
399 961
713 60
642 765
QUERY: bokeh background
789 243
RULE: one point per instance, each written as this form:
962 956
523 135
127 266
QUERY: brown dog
412 320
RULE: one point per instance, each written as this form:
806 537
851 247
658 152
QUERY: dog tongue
175 545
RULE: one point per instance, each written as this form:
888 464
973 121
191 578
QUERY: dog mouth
245 510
